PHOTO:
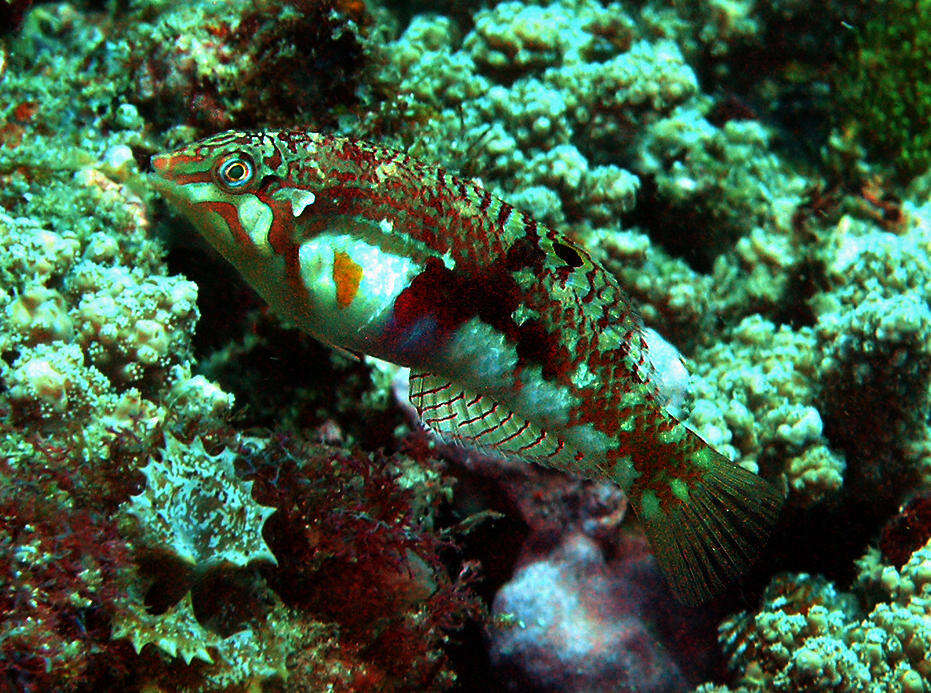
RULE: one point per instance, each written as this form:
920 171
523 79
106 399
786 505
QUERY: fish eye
234 172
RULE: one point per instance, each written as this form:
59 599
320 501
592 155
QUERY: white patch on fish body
300 201
479 353
298 198
256 218
360 324
669 372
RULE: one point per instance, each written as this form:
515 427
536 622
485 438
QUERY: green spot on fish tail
650 506
679 489
706 529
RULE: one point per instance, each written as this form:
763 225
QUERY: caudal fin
709 528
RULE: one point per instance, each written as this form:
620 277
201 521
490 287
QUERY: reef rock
568 622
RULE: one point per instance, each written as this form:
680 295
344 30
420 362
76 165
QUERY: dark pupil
567 254
236 172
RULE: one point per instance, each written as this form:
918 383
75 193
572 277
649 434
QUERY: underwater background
196 497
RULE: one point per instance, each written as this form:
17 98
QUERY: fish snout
160 163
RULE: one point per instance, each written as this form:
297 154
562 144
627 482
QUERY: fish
518 342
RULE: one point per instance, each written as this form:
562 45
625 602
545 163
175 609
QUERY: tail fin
707 529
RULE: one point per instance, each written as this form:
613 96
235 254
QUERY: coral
767 376
39 315
134 328
130 323
211 64
50 381
880 86
515 38
874 327
671 295
906 531
589 117
195 401
842 403
35 255
717 178
568 105
195 508
521 88
809 636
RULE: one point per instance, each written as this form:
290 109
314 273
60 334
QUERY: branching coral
565 102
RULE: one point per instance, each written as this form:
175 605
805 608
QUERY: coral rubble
563 625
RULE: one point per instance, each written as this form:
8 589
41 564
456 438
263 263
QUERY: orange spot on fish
347 275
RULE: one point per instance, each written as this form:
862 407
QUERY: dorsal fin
478 421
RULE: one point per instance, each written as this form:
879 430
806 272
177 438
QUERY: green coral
874 330
257 652
885 85
768 377
725 178
807 635
196 508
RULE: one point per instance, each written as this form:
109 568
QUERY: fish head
242 191
272 203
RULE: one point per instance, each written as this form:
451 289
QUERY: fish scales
517 340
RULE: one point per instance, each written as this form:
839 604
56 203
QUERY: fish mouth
164 186
159 163
161 180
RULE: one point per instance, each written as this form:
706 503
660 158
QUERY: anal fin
478 421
